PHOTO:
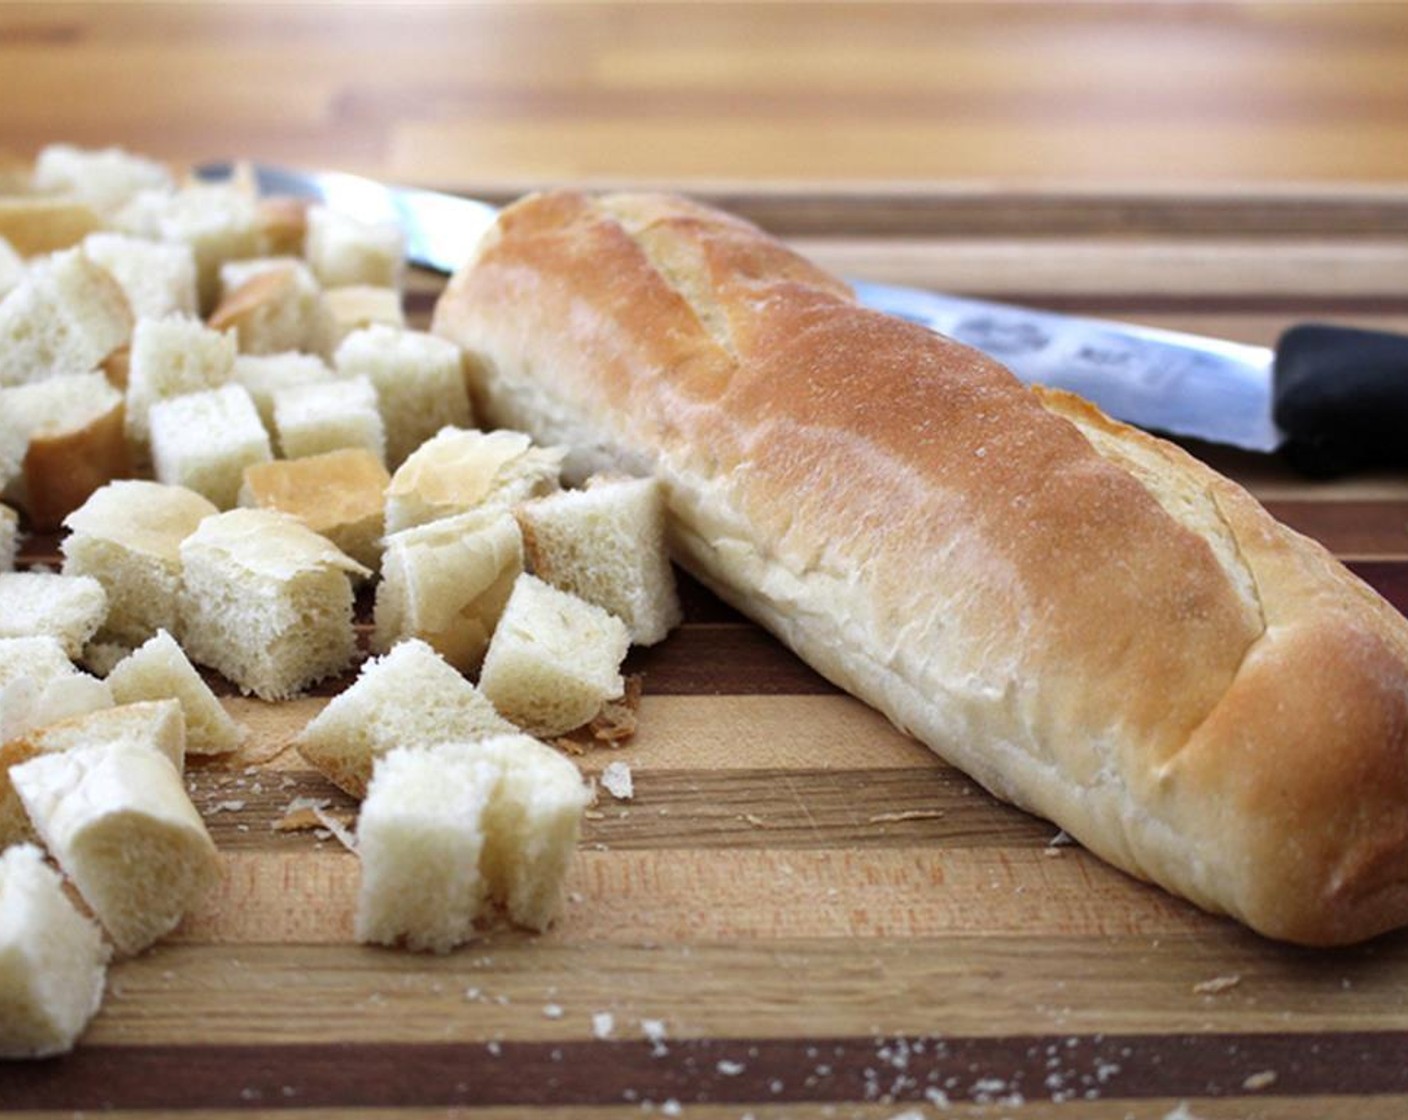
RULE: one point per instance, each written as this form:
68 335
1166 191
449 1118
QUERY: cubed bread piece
105 178
329 416
39 224
12 272
419 383
220 223
283 225
459 470
170 358
235 274
158 278
65 317
128 537
265 374
39 685
267 602
159 670
71 428
118 820
420 840
276 310
410 697
9 538
43 604
53 961
447 582
358 306
340 495
606 544
204 441
554 659
343 250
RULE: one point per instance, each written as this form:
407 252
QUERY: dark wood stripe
1355 527
701 1071
914 807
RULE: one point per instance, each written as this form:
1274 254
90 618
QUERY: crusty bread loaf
53 962
158 671
1083 617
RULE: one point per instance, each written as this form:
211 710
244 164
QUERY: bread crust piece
1088 621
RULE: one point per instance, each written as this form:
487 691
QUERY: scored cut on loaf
458 470
267 602
159 670
447 583
53 961
118 820
606 544
158 278
409 697
1082 617
325 416
128 536
171 357
204 442
554 659
45 604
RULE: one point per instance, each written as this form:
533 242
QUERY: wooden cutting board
801 912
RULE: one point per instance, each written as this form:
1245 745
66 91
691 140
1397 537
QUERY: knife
1332 399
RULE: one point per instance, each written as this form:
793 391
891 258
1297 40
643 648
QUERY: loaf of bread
1086 619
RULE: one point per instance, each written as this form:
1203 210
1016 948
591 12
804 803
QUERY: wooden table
802 913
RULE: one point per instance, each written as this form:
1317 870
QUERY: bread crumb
907 815
729 1069
552 1011
617 780
336 827
1258 1081
613 726
603 1024
1216 984
670 1108
226 807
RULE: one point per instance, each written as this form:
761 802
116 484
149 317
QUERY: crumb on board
907 815
1216 984
614 726
1263 1079
617 780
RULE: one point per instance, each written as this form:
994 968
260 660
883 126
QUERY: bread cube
419 383
277 309
118 820
446 583
235 274
204 442
283 225
159 670
265 374
358 306
219 222
410 697
53 962
554 659
9 538
66 315
606 544
343 250
458 470
12 272
128 537
39 224
106 179
267 602
340 495
172 357
71 430
41 604
329 416
158 278
39 685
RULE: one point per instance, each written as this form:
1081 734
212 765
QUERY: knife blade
1333 398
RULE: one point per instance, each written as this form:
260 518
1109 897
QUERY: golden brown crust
37 224
1084 618
62 469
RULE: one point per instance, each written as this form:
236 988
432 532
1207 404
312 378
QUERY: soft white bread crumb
12 272
220 223
104 178
100 658
339 495
355 307
53 961
71 431
37 604
419 383
171 357
265 374
606 544
128 537
204 442
343 250
159 670
277 309
447 582
158 278
554 659
9 538
267 602
410 697
448 827
457 470
118 820
40 685
329 416
65 317
617 780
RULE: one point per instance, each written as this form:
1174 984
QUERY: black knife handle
1341 396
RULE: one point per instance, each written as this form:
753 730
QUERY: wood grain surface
801 913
